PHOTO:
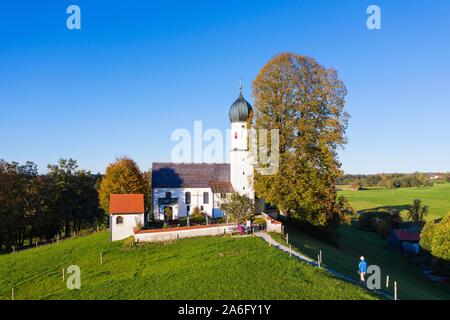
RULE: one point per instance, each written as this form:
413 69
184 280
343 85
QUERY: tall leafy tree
74 195
305 102
122 177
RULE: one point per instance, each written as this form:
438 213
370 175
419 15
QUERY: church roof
221 186
189 175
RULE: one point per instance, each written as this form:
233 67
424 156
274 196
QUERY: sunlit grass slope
200 268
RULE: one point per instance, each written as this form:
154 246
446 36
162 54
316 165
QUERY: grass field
200 268
436 197
355 242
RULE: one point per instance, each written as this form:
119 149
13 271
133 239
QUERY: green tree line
43 206
390 181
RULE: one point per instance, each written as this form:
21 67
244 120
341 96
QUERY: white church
181 187
178 188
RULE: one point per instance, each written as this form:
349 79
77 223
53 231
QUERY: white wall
239 136
124 230
189 233
196 201
241 168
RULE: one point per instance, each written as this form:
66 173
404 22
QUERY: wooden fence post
395 290
290 251
287 238
387 281
320 253
318 260
12 294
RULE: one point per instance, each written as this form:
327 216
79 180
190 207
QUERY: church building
178 188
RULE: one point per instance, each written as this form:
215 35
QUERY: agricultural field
436 197
199 268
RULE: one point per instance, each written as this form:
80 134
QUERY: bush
426 236
367 220
199 219
128 243
383 228
440 246
193 219
196 212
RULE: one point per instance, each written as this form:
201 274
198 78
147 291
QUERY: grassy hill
200 268
353 243
436 197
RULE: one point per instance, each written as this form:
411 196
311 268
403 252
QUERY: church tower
241 168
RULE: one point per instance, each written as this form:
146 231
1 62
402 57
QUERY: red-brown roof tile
406 235
126 203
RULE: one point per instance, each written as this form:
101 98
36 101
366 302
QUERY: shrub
196 212
395 218
197 217
383 228
128 243
440 246
426 236
367 220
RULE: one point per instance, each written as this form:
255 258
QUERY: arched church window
168 195
119 220
205 197
188 197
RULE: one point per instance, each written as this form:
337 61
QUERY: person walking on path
362 268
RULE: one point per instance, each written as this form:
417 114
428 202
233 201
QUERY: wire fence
336 264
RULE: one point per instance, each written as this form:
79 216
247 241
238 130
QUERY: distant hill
200 268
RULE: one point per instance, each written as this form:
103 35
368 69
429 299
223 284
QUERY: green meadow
355 242
436 197
199 268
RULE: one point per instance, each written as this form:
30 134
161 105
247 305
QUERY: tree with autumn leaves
124 177
305 102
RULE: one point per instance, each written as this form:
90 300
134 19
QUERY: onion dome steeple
240 110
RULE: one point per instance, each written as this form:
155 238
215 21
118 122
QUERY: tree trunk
67 229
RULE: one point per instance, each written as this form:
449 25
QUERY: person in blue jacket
362 268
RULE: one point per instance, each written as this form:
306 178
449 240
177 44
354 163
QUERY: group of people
244 228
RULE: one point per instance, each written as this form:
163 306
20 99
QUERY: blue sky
137 70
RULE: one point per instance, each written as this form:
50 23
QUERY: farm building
406 240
